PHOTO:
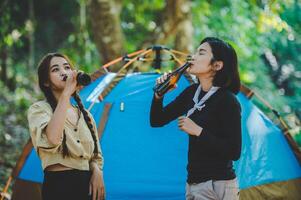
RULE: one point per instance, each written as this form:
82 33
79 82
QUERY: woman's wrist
65 96
64 99
158 97
199 131
94 167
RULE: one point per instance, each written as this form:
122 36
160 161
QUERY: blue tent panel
142 162
32 168
266 155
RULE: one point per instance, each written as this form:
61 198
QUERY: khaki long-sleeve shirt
78 140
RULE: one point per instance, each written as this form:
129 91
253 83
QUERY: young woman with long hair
65 135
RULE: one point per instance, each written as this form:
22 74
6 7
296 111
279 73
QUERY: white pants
213 190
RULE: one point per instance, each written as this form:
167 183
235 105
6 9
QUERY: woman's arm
159 115
55 127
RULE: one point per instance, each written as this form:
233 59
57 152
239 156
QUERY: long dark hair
228 76
43 74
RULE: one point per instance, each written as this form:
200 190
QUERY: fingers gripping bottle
172 79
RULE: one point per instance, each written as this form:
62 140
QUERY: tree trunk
184 35
106 29
31 37
3 66
9 82
174 25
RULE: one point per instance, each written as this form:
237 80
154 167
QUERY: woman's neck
206 83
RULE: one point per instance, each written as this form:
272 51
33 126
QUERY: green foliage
254 28
13 125
139 20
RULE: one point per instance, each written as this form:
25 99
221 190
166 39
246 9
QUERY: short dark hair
228 76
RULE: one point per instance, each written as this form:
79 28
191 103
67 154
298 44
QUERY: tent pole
121 58
120 74
6 187
103 119
178 52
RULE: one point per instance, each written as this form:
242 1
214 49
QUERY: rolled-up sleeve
97 158
39 115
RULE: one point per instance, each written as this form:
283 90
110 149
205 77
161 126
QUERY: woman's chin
191 72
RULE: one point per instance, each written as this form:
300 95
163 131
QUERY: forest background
265 33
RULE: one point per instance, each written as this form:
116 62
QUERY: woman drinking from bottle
211 115
65 136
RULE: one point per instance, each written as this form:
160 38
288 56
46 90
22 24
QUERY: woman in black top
210 114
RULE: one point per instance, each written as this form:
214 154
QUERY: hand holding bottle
161 80
71 83
168 81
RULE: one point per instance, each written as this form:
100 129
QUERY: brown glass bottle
172 79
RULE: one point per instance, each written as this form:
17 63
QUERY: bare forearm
55 127
94 166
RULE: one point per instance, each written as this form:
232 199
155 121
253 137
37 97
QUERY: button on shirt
78 140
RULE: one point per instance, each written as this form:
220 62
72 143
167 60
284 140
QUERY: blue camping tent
142 162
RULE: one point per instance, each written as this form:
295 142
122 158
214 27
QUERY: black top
211 154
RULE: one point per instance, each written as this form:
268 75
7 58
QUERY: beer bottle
171 80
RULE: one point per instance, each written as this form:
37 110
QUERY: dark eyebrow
202 50
55 65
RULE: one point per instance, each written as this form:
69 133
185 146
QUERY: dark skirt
65 185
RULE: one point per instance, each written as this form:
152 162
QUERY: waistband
68 172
